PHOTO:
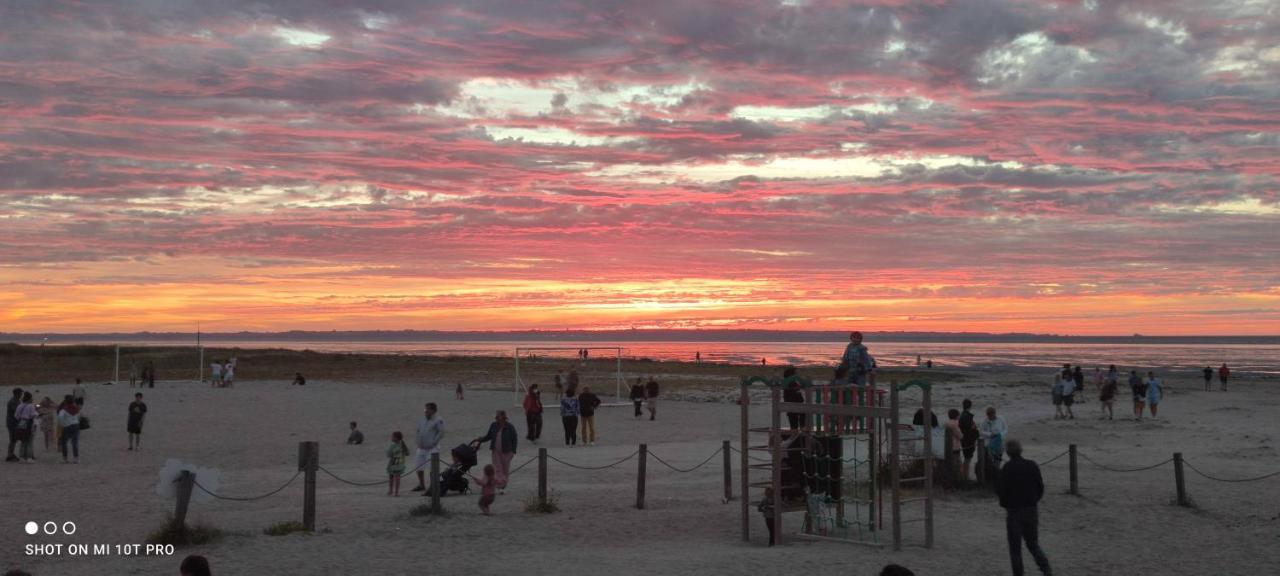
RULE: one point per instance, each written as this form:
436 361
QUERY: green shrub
533 505
284 528
173 533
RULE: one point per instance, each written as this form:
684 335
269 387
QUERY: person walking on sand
1208 378
1069 396
1077 376
1155 393
488 485
457 392
559 385
133 373
151 374
69 419
1107 397
430 433
137 413
397 452
27 415
298 380
1020 488
533 413
1224 374
587 404
11 424
651 397
1098 378
969 437
502 444
228 375
215 374
637 395
1139 390
356 437
569 417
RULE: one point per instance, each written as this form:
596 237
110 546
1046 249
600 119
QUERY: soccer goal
541 363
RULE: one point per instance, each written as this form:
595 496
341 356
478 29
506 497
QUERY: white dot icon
32 528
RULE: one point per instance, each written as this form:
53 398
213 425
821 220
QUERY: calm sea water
1255 358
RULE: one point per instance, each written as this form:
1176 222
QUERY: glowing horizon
1085 168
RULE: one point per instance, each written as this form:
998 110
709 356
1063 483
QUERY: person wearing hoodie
533 413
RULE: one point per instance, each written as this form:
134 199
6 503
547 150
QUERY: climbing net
840 486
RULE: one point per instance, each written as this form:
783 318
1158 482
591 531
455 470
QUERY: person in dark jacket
1020 488
637 395
968 437
587 404
11 423
502 442
533 413
651 395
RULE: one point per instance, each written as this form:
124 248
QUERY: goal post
520 385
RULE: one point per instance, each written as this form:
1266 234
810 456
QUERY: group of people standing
142 377
1147 393
223 374
60 423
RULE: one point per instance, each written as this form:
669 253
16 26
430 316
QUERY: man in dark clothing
11 423
1208 378
637 396
968 438
793 393
1077 376
1020 488
651 395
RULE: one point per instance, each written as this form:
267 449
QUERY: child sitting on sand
396 454
488 485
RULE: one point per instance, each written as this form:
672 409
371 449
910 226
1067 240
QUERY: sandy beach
1121 523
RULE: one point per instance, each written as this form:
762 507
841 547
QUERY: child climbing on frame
766 509
488 485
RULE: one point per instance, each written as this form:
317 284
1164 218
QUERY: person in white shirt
993 431
430 433
215 373
1069 396
229 375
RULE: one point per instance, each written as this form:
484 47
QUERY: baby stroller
455 476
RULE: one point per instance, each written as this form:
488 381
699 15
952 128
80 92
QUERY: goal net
601 368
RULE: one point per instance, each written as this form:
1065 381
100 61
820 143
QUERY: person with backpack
587 404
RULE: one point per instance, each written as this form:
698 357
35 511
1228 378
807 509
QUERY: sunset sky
1087 167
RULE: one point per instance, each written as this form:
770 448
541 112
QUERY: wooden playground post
980 463
744 402
1180 480
951 474
542 477
644 457
1075 478
775 454
725 448
186 481
308 463
896 509
928 468
435 482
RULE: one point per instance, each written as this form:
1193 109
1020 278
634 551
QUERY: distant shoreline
608 336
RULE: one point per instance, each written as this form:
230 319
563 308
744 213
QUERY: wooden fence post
725 448
542 477
186 481
1075 477
309 462
435 482
644 456
1180 480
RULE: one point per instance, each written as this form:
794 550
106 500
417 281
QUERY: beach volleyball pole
200 359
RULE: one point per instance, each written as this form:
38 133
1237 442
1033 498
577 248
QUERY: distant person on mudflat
457 391
1224 374
1020 487
298 379
1208 378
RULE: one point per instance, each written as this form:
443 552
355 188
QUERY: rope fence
248 499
